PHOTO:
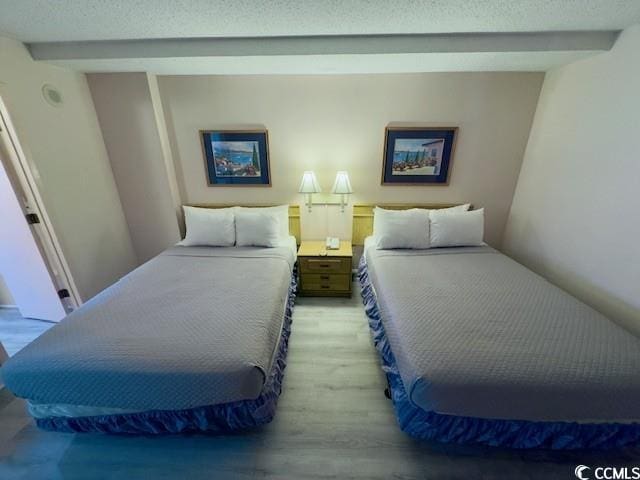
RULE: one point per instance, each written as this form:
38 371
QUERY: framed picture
418 155
236 158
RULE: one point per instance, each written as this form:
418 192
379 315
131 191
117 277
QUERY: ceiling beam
326 45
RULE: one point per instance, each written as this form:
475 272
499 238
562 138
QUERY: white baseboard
8 306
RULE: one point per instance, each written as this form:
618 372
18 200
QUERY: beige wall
575 213
6 298
327 123
126 114
65 148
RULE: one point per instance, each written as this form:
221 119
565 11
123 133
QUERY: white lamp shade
309 183
342 185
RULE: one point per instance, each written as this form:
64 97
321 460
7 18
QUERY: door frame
26 189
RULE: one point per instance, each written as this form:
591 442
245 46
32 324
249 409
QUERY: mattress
475 334
194 326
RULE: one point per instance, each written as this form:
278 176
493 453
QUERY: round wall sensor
52 95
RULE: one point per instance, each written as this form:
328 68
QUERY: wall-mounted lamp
342 187
309 186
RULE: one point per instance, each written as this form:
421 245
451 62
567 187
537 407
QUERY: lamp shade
309 183
342 185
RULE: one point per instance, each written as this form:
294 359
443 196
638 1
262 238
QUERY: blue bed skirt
223 418
520 434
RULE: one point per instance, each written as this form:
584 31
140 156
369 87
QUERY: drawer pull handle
325 262
324 277
325 286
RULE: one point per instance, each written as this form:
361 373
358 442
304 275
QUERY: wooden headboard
363 217
294 214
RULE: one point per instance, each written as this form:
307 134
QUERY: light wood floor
16 332
333 421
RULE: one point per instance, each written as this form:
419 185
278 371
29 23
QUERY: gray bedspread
474 333
194 326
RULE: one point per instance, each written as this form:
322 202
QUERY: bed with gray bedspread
476 334
194 326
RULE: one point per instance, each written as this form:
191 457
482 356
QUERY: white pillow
257 228
457 229
456 209
281 213
209 226
401 228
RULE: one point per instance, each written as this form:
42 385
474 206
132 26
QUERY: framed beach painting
418 155
236 158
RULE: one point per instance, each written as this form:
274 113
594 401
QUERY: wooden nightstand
325 273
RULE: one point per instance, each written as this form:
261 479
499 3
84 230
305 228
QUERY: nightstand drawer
327 282
325 264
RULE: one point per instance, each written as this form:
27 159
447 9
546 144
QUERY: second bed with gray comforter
476 334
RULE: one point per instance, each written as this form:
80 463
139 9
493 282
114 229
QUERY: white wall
575 216
126 114
327 123
65 147
6 299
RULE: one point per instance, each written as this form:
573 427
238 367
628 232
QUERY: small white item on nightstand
332 243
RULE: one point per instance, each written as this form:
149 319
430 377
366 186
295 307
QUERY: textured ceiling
80 20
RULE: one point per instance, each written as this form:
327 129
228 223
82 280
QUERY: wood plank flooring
16 332
333 422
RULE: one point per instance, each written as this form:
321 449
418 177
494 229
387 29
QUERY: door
30 260
21 264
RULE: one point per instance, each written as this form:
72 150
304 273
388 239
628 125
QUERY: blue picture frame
418 155
236 158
